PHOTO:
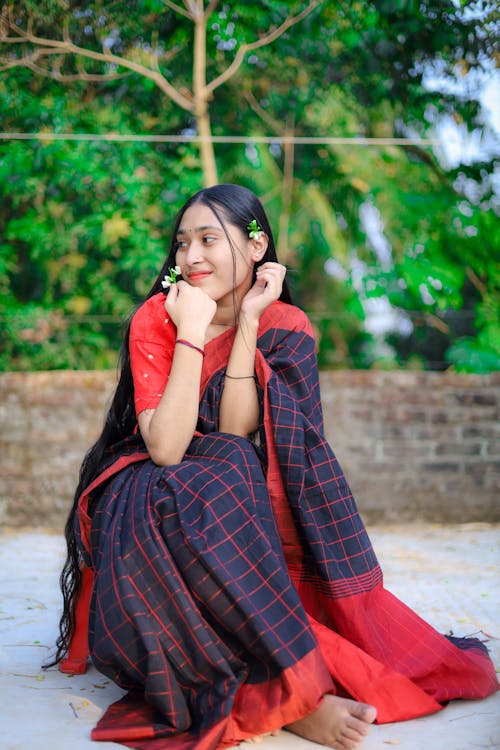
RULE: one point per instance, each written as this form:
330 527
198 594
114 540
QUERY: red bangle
190 345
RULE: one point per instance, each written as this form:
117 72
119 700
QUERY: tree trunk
200 94
283 251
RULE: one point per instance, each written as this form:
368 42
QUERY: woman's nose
194 252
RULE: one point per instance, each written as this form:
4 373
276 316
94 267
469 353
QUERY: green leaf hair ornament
172 277
254 231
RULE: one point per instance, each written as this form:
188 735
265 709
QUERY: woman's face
205 258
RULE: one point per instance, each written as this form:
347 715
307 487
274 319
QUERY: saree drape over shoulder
233 590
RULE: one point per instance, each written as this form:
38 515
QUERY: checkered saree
236 588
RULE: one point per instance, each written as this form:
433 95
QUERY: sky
456 145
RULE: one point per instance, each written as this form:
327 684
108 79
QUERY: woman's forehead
199 218
199 215
201 228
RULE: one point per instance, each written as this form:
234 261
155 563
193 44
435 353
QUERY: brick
385 429
493 448
14 460
480 431
401 412
479 398
441 467
475 414
459 449
435 433
413 445
406 449
364 415
359 450
440 417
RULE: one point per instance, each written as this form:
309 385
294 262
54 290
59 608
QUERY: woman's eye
208 239
179 245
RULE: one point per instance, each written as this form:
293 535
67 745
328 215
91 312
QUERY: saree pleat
236 588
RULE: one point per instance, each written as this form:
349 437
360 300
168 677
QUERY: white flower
172 277
254 231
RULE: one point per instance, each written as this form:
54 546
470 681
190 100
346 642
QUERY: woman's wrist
190 345
248 322
194 337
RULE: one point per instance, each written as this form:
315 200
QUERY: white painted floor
450 575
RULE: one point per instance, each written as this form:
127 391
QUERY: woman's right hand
191 310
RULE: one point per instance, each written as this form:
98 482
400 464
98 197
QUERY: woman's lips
197 275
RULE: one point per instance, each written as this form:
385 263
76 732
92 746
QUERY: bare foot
260 738
337 722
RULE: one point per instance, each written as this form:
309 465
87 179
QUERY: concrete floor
449 574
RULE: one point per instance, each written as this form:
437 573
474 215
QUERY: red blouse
152 339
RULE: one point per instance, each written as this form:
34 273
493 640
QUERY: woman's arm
239 407
168 429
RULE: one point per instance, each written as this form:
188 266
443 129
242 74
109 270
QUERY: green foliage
85 231
84 226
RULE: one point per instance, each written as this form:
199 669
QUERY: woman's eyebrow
198 229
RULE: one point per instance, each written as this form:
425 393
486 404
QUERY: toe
353 735
367 713
357 726
346 744
363 712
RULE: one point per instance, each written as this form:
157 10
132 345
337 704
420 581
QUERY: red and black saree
236 588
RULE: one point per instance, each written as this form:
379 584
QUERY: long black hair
231 204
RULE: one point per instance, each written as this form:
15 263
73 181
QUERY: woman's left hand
266 290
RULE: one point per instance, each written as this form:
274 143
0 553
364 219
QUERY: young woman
235 590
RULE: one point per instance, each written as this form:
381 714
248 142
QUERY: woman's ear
259 248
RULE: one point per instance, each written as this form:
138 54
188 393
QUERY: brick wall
417 445
413 445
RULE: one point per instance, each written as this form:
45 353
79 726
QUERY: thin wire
282 139
313 315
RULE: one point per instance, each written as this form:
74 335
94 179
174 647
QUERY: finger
172 293
269 290
273 278
275 269
171 299
181 285
270 265
267 272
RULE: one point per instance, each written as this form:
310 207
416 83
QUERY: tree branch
265 116
436 322
82 74
66 34
269 37
191 6
421 154
286 193
58 47
177 9
12 39
154 47
476 281
210 8
55 72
